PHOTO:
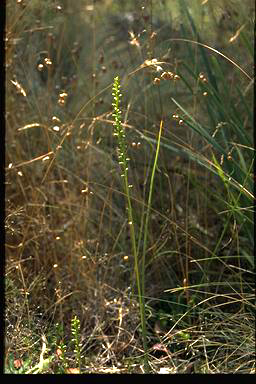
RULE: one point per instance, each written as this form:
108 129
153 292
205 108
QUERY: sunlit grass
71 246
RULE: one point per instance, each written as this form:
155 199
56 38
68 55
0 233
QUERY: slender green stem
123 162
147 221
148 209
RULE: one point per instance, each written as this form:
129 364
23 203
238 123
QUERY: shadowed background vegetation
68 253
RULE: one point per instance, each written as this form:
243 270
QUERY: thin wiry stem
123 162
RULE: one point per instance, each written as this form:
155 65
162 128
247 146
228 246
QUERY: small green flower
118 127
